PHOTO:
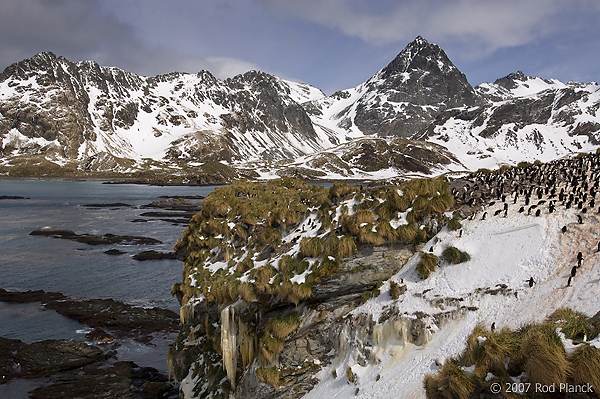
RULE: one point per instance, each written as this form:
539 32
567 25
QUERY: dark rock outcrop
106 239
120 319
154 255
18 359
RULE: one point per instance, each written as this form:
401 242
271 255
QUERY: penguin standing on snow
531 282
569 281
573 271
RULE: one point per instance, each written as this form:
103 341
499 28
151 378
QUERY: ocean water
80 270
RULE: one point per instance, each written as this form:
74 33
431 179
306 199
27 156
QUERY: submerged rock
178 204
108 205
98 334
106 239
154 255
12 197
29 296
119 380
121 319
18 359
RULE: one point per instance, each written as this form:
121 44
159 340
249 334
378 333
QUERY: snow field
503 251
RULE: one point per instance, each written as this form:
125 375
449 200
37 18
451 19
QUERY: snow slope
503 251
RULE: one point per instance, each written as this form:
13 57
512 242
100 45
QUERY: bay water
79 270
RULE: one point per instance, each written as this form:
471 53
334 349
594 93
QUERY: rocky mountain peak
407 95
418 55
509 81
41 62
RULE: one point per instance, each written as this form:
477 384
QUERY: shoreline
133 357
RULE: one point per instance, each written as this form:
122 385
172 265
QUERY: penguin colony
535 189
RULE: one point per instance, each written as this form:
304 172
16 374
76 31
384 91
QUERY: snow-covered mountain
71 112
523 119
59 117
401 98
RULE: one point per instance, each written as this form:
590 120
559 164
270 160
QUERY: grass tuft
573 324
455 256
546 360
451 382
585 366
268 375
311 247
427 264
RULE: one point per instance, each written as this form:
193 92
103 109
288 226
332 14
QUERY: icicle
247 344
170 365
186 313
228 343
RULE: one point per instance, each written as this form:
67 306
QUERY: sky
330 44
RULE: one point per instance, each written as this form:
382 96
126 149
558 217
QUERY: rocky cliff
270 270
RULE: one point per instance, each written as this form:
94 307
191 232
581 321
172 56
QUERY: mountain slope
524 119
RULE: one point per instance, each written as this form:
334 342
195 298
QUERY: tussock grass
331 246
385 229
545 357
288 263
212 207
267 236
298 292
246 264
385 211
269 375
427 264
311 247
364 216
346 247
246 291
454 224
395 289
490 353
271 344
351 376
370 237
573 324
412 217
348 224
340 190
407 233
585 366
451 382
281 327
327 268
262 275
293 292
455 256
216 227
396 202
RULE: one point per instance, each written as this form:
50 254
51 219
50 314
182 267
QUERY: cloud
487 24
82 30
